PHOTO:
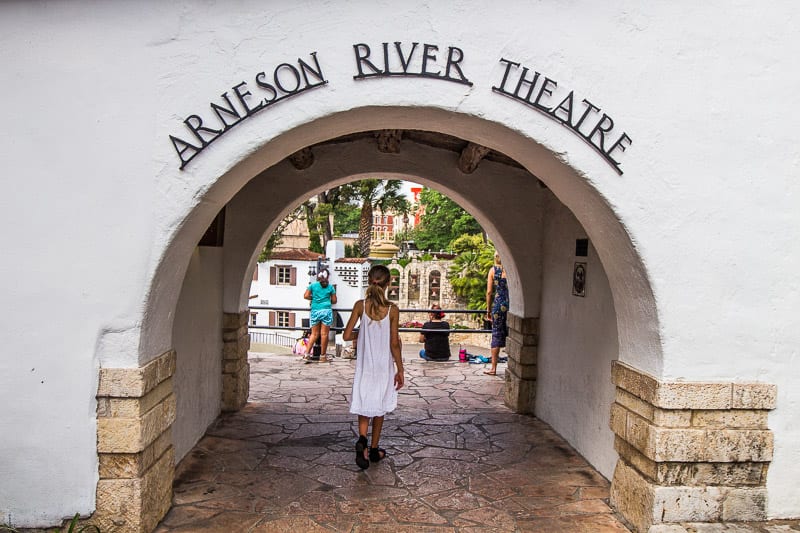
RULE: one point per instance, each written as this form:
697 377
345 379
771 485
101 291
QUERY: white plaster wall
90 180
76 193
197 337
577 342
284 296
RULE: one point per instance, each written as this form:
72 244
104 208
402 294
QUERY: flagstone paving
458 461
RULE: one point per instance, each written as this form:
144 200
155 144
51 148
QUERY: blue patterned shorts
321 315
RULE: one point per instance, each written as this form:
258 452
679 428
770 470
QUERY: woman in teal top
322 296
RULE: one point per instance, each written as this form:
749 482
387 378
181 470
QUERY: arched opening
514 204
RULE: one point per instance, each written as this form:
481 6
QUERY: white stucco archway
508 202
696 238
633 299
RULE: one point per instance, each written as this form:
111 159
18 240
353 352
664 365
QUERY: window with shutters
253 318
283 319
284 275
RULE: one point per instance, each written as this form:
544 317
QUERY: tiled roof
352 260
295 255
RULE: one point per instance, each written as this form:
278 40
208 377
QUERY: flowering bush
411 324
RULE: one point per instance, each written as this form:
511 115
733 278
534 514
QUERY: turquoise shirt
321 296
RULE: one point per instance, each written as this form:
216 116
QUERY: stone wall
422 294
235 368
689 451
135 412
522 349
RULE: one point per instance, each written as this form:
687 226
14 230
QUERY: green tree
443 221
345 218
350 206
469 269
385 195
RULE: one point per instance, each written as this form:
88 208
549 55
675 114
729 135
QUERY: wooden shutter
255 274
272 318
291 318
273 275
293 276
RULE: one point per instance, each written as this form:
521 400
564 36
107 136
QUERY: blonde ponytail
379 277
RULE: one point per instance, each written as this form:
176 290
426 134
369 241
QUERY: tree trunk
365 228
326 232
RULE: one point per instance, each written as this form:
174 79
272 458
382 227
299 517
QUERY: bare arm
489 290
349 334
307 294
333 298
396 346
421 337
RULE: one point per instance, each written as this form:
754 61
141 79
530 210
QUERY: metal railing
477 312
271 337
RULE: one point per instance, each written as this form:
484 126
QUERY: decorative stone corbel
302 159
471 156
389 141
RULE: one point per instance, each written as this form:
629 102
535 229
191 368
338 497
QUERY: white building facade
280 283
278 286
636 166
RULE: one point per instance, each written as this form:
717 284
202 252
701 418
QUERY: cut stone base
135 412
235 368
521 347
689 452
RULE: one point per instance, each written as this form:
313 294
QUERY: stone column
689 451
135 412
235 368
522 349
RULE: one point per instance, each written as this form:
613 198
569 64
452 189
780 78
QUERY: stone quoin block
136 504
131 435
633 496
136 382
522 370
136 408
689 451
131 465
235 368
731 419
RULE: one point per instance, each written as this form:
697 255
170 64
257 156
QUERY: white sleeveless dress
374 393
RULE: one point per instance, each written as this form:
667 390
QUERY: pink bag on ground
300 347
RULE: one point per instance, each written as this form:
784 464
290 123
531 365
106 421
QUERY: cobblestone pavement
458 461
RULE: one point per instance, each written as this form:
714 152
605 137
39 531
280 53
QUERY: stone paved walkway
458 461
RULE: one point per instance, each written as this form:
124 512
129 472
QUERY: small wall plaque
579 280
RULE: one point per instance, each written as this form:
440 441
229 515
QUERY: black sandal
376 454
361 445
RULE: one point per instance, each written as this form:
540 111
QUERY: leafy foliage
469 269
385 195
351 205
350 250
443 221
345 218
83 529
73 527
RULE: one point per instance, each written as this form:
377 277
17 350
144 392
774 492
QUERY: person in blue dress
497 310
322 296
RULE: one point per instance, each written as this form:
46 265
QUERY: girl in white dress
376 382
